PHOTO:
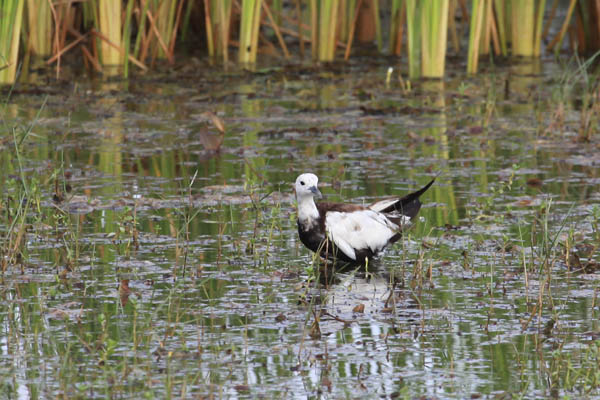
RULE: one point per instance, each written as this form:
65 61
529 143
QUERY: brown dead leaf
124 291
534 182
211 141
360 308
326 382
315 330
280 318
524 202
217 122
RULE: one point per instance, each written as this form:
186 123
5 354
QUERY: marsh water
148 255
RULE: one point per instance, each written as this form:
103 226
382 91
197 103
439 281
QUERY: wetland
150 248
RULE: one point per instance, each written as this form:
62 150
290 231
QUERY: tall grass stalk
218 21
127 36
475 32
523 27
346 13
141 23
250 23
208 24
39 20
396 25
434 28
556 43
377 23
502 23
452 26
587 26
11 19
427 32
314 29
109 16
165 13
328 16
350 37
413 41
539 22
275 26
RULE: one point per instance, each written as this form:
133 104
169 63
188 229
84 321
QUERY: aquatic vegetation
150 249
10 27
142 32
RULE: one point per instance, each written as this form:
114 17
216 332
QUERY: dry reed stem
400 35
579 32
474 56
119 49
159 38
209 33
299 12
485 44
91 59
597 8
276 29
452 26
550 18
494 32
352 29
297 34
464 10
175 27
55 45
84 49
314 24
270 45
224 25
561 34
293 21
145 44
255 31
293 33
66 48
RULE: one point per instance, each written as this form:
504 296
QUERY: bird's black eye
302 183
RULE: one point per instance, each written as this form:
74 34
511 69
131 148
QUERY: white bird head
306 187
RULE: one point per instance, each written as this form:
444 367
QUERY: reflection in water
177 271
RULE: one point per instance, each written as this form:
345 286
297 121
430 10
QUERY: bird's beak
315 191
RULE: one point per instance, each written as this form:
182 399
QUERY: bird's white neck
307 210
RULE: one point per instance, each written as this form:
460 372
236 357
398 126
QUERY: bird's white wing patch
383 204
359 230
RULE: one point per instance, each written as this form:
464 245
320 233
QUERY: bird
351 233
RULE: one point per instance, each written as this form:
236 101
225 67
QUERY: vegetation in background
109 24
507 27
121 32
249 26
217 22
185 271
10 27
39 27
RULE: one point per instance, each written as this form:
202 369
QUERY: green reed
249 27
10 28
143 31
39 19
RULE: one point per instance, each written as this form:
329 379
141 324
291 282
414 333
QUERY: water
159 258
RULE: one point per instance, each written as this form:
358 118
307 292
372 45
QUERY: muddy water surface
148 255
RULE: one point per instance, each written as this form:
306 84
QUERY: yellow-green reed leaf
475 29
